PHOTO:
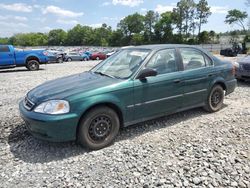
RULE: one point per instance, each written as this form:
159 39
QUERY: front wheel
97 58
215 99
32 65
98 128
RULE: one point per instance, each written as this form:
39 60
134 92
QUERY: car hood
245 60
70 85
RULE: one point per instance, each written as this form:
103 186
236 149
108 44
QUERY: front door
6 56
155 96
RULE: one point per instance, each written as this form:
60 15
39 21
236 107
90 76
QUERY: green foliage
57 37
4 40
236 17
202 14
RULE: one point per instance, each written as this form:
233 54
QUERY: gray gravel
187 149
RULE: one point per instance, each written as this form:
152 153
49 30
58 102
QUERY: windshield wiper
103 74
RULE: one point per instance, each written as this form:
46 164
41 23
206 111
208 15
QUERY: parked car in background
86 56
98 56
55 57
243 69
134 85
74 56
31 59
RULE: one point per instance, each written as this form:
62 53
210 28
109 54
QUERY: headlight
53 107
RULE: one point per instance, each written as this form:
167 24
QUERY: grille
28 104
246 67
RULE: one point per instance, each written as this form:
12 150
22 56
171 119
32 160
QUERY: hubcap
216 98
100 128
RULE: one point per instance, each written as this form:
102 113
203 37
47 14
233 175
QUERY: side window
4 49
192 59
209 62
164 61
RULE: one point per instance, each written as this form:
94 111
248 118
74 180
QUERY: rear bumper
55 128
230 86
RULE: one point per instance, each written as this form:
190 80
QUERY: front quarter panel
120 95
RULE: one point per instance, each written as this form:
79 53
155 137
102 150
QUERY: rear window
4 49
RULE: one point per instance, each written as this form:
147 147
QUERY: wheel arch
111 105
219 81
32 57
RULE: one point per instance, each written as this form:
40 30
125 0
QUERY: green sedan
134 85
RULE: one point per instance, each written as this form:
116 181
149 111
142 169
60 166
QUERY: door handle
210 75
10 55
177 81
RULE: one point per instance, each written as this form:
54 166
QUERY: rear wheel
98 128
32 65
97 58
215 99
69 59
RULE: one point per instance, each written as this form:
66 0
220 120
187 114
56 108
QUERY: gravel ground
187 149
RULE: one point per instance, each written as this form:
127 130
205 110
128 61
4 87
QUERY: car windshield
122 64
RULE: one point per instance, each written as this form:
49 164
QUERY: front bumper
55 128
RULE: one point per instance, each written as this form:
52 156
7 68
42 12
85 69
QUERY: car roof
161 46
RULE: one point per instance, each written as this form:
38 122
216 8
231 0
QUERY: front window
122 64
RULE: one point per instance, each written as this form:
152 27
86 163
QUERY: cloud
67 22
106 3
61 12
219 10
130 3
11 18
96 25
161 8
17 7
110 18
12 24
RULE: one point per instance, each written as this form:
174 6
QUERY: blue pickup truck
31 59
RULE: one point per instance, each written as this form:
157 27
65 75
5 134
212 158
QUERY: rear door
162 93
197 74
6 56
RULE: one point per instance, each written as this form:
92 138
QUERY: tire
98 128
69 59
85 59
97 58
215 99
32 65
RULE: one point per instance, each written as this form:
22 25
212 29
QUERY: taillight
45 53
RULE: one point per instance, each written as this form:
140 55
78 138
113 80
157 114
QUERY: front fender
81 107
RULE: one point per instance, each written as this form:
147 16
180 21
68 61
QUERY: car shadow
31 150
17 70
242 83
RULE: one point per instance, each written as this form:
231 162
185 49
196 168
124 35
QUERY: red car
98 56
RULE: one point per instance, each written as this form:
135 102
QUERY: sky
41 16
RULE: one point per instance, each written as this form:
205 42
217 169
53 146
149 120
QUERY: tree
163 28
132 24
202 13
236 17
150 20
3 40
184 16
57 37
203 37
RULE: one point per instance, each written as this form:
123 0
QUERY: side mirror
147 72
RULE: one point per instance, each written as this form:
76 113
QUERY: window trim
197 50
7 47
157 51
